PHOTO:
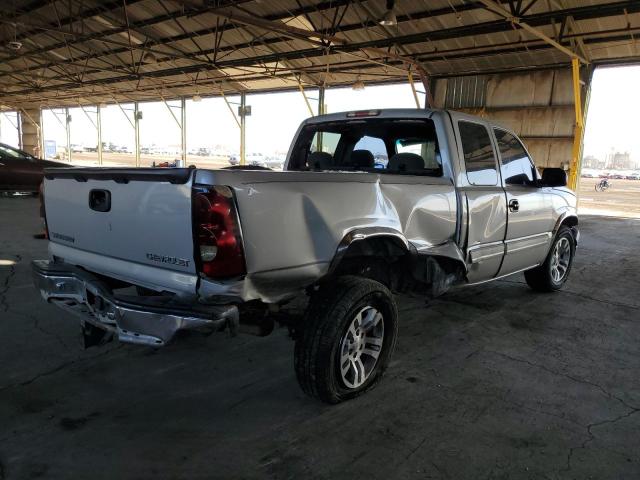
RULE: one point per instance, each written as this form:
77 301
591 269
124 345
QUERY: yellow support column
576 159
413 89
306 100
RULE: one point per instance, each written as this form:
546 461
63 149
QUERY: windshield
9 152
372 145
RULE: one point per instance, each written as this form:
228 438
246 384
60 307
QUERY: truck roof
373 113
410 113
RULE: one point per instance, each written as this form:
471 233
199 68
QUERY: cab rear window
372 145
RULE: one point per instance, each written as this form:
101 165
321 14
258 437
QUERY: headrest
406 162
362 159
320 160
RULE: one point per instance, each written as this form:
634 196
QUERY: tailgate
144 234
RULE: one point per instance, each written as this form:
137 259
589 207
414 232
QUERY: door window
517 168
9 153
479 157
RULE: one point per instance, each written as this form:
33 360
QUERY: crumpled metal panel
293 222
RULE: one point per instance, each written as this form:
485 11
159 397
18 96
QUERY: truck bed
292 222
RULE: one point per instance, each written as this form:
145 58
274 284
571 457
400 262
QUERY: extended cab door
530 219
485 203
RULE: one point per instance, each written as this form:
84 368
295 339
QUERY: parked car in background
617 176
75 148
633 176
21 172
275 162
256 160
234 160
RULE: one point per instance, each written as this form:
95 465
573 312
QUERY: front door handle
514 205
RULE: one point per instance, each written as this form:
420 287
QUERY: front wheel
347 340
553 273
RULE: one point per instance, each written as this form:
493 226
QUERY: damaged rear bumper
151 321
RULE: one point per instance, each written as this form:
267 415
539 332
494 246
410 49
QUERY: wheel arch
373 236
404 266
570 220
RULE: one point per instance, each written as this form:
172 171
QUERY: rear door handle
514 205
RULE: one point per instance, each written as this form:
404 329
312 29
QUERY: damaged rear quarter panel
293 222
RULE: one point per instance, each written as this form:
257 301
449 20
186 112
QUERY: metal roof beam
105 6
496 8
489 27
540 19
113 31
487 51
320 7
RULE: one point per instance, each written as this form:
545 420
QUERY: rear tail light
217 233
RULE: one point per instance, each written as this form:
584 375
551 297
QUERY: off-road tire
540 278
330 313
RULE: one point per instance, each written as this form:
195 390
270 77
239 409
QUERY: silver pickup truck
370 202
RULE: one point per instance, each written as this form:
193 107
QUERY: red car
21 172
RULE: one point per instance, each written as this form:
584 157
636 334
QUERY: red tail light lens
217 233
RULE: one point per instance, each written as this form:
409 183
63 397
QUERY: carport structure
527 63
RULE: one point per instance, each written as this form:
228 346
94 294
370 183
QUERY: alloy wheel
361 346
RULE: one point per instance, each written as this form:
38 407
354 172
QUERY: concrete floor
489 382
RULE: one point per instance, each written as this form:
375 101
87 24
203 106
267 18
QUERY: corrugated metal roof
101 51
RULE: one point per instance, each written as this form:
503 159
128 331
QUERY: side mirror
554 177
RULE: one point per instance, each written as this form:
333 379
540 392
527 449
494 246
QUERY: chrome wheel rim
560 260
361 346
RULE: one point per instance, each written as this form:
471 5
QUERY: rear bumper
142 320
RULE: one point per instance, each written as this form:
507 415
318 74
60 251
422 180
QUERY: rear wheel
348 338
553 273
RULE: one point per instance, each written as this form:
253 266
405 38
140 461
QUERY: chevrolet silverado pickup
369 203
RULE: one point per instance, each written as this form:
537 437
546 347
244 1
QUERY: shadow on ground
488 382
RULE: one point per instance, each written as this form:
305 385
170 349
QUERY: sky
611 121
612 116
274 120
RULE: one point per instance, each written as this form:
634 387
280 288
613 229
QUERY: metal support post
413 89
321 111
243 125
19 121
306 100
68 131
99 125
183 130
136 125
576 157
